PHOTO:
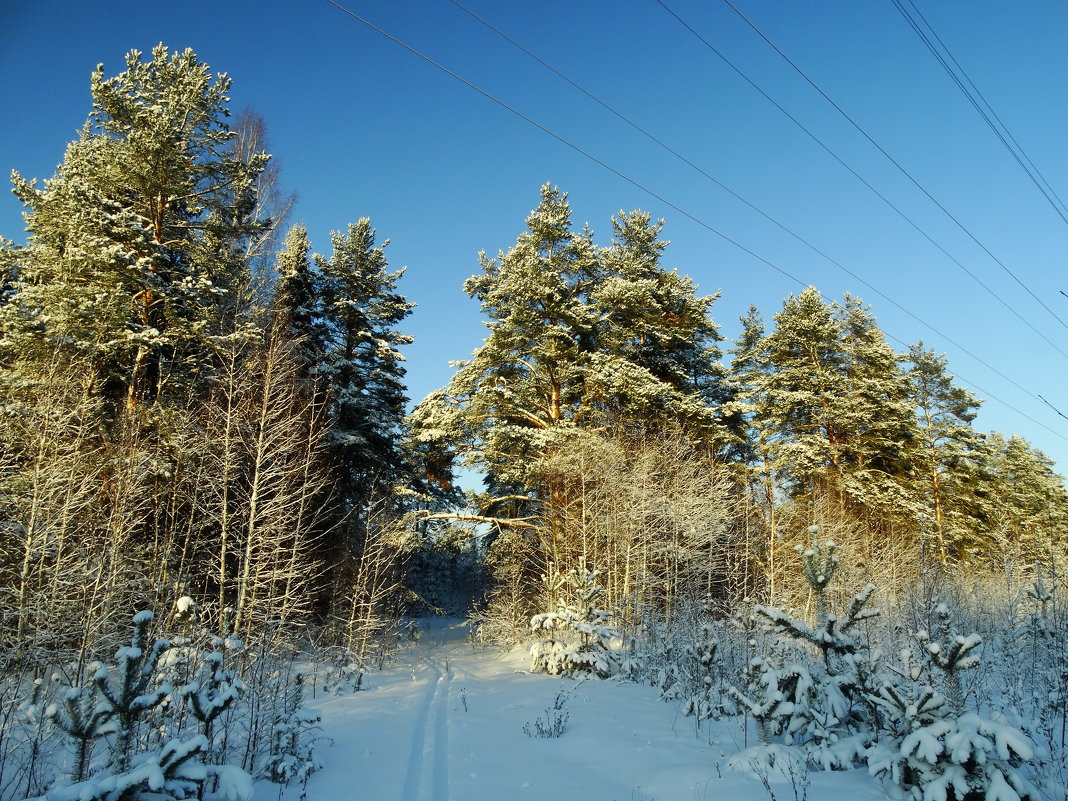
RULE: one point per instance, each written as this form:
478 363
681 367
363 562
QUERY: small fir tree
580 638
929 746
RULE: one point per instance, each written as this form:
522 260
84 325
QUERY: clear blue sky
362 127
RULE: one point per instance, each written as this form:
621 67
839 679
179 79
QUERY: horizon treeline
196 404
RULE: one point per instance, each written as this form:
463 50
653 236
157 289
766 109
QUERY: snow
233 784
446 722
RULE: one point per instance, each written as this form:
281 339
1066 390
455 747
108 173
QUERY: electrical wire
1050 405
636 184
957 74
859 177
909 176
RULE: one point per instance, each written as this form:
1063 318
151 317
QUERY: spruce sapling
128 693
83 716
930 747
581 638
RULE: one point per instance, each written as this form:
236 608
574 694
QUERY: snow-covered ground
446 722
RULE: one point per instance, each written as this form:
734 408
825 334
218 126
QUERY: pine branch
503 522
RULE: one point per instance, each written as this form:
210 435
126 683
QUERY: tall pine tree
835 404
947 452
1022 504
135 255
361 368
579 339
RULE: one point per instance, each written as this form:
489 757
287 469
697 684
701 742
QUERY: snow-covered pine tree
951 654
138 235
213 690
654 319
579 636
578 337
876 419
153 756
523 385
835 405
946 454
361 367
580 340
773 689
292 755
928 746
129 691
83 717
134 281
832 721
1022 503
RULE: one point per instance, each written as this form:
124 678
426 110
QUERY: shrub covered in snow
579 638
822 692
292 756
114 704
928 746
167 720
811 685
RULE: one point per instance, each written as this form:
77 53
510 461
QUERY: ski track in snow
441 737
427 776
446 721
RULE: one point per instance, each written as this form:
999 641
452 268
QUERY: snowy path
428 764
445 723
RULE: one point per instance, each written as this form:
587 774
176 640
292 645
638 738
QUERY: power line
734 194
568 143
826 148
904 172
634 183
1050 405
971 92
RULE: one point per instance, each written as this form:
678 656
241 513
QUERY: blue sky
361 127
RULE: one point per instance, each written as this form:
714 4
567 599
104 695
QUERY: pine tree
191 426
749 362
578 636
876 415
835 404
523 387
806 362
361 367
579 338
947 446
1022 503
135 256
929 746
582 342
653 318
